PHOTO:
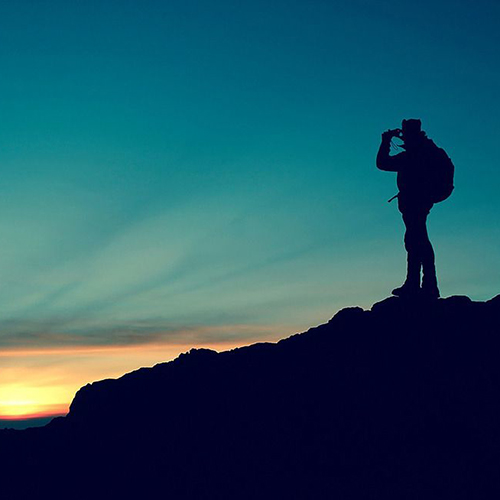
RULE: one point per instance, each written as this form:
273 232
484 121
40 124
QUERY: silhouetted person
425 177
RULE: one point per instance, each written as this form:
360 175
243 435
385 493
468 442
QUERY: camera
397 132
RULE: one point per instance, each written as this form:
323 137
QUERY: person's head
412 131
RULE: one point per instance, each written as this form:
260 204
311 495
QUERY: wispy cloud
26 335
188 273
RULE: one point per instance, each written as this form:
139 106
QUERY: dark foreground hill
400 402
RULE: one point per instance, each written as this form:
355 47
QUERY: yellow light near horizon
42 382
20 399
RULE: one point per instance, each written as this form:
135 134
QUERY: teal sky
173 166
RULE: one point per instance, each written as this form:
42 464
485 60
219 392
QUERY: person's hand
389 134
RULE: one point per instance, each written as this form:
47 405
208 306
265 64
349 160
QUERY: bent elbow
381 165
386 164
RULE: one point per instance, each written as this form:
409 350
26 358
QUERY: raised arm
384 160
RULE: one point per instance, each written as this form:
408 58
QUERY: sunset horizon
23 397
179 175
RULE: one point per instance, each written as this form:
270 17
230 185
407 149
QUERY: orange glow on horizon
21 412
24 400
42 382
110 349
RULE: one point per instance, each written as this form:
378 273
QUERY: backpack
441 172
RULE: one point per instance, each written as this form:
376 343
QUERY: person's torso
414 177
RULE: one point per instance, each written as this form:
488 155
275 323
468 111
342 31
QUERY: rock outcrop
399 402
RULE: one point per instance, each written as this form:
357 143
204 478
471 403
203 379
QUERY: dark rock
402 401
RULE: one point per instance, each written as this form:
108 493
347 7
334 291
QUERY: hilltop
398 402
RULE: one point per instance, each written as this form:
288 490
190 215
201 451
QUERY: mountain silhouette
398 402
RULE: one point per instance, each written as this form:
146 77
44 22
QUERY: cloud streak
27 335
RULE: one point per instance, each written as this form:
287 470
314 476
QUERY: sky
202 173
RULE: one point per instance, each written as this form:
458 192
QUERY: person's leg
426 251
423 251
411 285
411 239
419 249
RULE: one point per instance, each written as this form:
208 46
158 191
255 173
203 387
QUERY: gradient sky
189 173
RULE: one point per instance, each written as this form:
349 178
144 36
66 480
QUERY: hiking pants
417 244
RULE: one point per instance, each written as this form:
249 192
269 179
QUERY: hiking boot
406 290
430 286
430 291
